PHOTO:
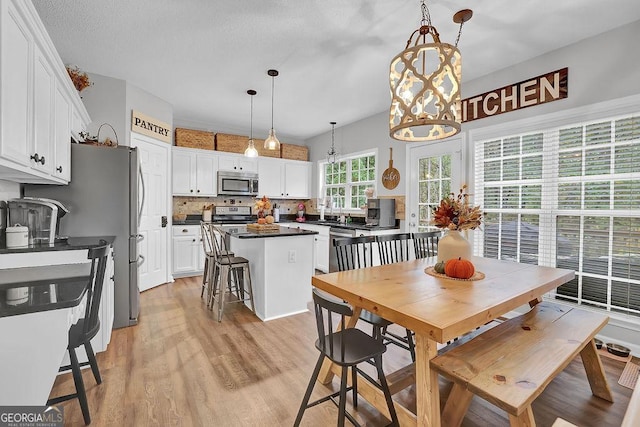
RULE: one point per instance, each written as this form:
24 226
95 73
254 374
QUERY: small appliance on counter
41 217
381 213
17 237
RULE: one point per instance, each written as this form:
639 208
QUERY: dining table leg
427 388
326 375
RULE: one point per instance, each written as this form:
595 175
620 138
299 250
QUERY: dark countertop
70 244
49 287
242 232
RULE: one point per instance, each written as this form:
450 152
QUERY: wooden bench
632 416
511 364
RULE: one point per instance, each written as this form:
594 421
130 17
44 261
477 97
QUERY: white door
435 170
154 158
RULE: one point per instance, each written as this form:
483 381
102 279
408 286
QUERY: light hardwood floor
180 367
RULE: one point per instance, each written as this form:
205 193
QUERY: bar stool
208 236
226 267
84 330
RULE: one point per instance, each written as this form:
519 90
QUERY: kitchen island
281 263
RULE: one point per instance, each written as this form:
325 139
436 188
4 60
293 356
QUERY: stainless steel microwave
238 183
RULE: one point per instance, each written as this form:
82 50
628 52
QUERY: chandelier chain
272 85
459 33
426 17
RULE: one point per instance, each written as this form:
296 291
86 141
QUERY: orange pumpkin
262 221
459 268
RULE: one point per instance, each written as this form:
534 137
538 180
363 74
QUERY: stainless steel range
232 215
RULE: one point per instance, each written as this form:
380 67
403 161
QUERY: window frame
349 184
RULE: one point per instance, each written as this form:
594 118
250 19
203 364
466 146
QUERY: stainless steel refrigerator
105 197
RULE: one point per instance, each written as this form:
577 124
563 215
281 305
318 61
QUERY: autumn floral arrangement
261 206
456 212
80 79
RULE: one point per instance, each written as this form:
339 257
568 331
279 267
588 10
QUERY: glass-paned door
435 171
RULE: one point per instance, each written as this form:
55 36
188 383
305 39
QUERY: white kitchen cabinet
16 53
284 179
188 254
42 147
237 163
32 76
194 172
62 153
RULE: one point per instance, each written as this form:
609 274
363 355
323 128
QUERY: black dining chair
425 243
357 252
347 348
81 333
394 248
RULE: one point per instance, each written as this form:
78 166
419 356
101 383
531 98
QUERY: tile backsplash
195 205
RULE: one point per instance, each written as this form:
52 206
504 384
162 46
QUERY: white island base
281 270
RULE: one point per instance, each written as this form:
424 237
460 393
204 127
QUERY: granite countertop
35 289
70 244
242 232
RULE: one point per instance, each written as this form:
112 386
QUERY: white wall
105 102
146 103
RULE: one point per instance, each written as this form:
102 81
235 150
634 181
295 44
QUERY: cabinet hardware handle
113 278
35 158
191 191
184 230
193 240
42 160
198 191
59 169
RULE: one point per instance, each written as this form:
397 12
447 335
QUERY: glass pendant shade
251 150
272 142
425 85
251 147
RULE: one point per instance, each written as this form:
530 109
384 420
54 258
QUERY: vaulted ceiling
333 55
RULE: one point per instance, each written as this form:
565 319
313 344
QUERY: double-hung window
568 197
343 183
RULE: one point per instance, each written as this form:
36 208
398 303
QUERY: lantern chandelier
251 148
425 84
332 154
272 143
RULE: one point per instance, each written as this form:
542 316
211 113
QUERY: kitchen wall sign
534 91
390 176
149 126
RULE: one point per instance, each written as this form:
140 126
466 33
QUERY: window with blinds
567 197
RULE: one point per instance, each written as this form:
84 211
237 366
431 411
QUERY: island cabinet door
322 253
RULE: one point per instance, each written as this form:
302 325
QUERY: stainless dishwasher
337 233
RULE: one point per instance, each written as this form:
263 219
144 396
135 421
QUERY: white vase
453 245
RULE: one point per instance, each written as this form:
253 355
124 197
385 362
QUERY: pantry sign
534 91
149 126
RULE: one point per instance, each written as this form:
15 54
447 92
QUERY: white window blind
567 197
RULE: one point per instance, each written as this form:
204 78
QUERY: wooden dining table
437 309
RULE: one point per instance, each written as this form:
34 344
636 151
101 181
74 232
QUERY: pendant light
425 84
332 154
251 148
272 143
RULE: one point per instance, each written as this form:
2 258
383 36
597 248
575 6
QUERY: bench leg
525 419
595 372
456 407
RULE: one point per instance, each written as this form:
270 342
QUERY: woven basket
238 143
294 152
107 142
195 139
